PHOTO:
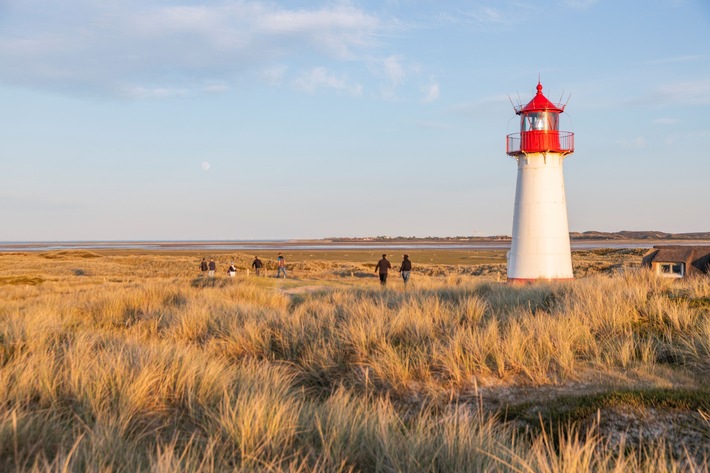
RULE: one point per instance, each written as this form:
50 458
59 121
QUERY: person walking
232 271
404 269
212 267
203 266
383 266
257 264
281 266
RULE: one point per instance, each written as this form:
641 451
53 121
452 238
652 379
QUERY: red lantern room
539 129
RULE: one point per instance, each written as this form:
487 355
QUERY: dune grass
139 364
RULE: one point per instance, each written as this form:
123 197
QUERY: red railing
540 142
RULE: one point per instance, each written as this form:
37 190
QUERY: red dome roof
540 103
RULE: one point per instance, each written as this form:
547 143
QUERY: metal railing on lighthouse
540 142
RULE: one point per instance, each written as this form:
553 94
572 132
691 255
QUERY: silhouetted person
212 267
281 266
383 266
203 266
257 264
404 269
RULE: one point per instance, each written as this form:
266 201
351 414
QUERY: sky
241 119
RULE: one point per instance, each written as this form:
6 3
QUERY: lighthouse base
531 281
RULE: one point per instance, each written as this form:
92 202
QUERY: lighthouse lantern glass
539 121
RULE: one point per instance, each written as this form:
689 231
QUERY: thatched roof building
678 261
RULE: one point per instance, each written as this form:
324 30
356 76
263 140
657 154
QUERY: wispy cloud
394 70
107 48
665 121
319 78
274 75
685 93
487 15
479 16
686 137
696 92
580 4
500 16
475 107
431 92
140 92
677 59
336 29
215 88
638 142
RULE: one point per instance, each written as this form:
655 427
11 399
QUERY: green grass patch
575 409
693 302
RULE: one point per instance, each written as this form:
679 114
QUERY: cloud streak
431 92
693 92
580 4
665 121
503 16
153 50
319 78
688 58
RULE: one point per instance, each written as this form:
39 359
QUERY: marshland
133 361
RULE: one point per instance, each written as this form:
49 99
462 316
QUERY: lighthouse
540 249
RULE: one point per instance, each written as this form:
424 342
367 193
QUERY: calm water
286 245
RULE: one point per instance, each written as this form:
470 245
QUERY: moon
205 166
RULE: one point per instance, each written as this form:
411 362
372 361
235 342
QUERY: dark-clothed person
405 269
212 267
257 264
203 265
382 267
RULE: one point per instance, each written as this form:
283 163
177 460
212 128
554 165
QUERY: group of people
211 267
257 264
382 268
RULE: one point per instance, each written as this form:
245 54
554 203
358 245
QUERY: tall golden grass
137 364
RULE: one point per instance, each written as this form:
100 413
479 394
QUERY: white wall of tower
541 247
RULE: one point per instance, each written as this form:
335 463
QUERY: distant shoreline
318 245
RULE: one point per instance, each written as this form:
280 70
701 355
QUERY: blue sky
167 119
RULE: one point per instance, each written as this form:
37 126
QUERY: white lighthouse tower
540 248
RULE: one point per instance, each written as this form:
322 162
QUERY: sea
304 245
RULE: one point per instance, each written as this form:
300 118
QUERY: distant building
678 261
